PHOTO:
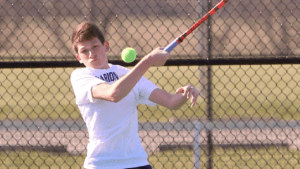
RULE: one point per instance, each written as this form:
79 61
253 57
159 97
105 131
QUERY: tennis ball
128 55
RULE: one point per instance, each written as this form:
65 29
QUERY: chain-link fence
244 60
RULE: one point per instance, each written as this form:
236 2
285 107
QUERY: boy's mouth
93 60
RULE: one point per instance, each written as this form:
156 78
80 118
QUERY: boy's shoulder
79 70
119 68
113 68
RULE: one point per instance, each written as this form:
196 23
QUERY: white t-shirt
113 127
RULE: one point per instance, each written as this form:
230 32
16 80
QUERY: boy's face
92 53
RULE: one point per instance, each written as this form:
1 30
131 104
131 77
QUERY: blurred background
244 60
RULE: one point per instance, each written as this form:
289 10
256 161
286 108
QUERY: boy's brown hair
86 31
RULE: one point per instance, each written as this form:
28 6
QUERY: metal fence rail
244 60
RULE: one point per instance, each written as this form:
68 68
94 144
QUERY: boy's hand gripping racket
177 41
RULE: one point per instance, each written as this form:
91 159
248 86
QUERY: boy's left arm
175 101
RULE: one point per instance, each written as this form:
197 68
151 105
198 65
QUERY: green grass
37 94
230 158
267 158
269 91
39 160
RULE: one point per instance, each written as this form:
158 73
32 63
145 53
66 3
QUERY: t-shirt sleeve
82 84
146 87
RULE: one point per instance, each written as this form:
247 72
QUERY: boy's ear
106 44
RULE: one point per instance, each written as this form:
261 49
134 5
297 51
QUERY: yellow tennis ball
128 55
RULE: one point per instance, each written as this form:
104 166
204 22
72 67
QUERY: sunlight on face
93 54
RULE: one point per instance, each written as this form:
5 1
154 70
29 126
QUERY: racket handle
171 46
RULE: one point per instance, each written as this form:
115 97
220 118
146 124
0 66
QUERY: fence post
209 92
197 143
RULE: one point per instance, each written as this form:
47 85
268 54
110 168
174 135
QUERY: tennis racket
179 39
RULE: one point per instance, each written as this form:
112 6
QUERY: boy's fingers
185 92
193 101
188 90
194 98
189 95
179 90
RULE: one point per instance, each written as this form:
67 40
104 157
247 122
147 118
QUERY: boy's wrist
147 60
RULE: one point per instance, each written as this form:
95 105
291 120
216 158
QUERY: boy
107 96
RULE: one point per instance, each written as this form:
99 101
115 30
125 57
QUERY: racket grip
171 46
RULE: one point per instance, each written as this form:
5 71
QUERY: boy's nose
92 54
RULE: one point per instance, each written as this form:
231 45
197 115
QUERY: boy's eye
84 51
94 47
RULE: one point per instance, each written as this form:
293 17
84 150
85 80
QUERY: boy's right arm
118 90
